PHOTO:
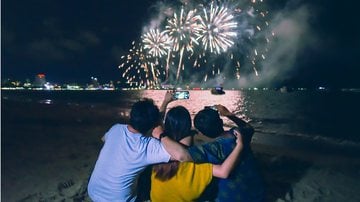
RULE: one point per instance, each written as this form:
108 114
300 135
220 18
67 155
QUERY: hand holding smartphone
181 95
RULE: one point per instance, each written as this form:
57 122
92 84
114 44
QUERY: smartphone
181 95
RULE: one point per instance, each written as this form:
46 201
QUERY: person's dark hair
144 115
178 123
177 126
209 123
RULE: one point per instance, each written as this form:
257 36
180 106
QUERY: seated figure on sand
126 153
245 182
185 181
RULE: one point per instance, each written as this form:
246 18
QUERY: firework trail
261 37
182 30
158 45
248 38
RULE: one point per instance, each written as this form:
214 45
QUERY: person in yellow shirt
185 181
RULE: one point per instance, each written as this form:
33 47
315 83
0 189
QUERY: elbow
184 157
224 175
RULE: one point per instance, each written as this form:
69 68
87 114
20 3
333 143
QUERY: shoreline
48 155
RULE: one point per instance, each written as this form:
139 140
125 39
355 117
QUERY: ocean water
319 121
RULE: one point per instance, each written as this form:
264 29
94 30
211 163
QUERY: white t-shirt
121 160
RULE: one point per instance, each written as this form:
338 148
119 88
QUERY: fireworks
204 40
217 29
138 68
158 43
182 30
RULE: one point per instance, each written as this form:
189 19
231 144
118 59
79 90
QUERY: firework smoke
231 40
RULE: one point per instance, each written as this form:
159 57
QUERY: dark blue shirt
245 182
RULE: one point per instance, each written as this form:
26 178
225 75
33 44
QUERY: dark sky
73 40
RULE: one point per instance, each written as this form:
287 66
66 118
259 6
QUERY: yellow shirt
189 182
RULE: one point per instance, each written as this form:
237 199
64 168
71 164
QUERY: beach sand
52 161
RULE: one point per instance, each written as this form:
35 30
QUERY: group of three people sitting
213 165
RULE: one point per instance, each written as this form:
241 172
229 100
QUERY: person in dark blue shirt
245 182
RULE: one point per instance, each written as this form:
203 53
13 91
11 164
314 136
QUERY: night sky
70 41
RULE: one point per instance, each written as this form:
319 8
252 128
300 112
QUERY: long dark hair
177 126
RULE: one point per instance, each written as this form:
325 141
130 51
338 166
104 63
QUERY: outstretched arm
243 125
223 170
167 99
177 151
245 128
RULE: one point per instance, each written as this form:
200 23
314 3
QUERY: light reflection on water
302 114
233 100
47 101
278 118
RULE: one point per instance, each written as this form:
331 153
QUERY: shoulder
155 151
191 166
215 151
117 126
225 139
201 173
115 129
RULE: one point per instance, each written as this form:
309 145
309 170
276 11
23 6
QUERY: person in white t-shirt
126 153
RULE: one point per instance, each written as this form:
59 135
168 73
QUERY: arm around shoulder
224 170
177 151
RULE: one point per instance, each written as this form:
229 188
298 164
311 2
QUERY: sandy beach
52 161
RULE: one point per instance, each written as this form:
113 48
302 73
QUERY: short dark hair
144 115
209 123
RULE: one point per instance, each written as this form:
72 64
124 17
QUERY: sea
305 120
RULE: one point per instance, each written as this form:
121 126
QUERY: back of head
178 123
144 115
209 123
177 126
